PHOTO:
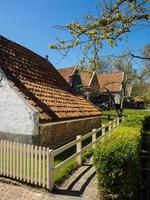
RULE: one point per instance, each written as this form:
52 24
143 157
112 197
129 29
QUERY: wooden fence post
117 121
103 132
94 137
103 129
109 126
114 123
4 157
50 165
78 149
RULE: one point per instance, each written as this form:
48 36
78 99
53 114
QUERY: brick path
82 185
13 190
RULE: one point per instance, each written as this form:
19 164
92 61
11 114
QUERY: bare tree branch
140 57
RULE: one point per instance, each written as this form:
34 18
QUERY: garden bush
117 162
133 121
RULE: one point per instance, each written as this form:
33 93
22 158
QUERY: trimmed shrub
117 164
135 121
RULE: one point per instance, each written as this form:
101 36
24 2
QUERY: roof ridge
3 39
116 72
74 66
30 52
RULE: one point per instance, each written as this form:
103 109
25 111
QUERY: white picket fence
35 165
26 163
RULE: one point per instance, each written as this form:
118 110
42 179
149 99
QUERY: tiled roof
86 78
41 85
111 81
67 72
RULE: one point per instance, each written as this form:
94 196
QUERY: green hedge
117 163
134 121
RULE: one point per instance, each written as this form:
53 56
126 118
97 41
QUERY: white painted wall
16 116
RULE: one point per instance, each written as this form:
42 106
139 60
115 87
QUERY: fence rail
35 165
79 139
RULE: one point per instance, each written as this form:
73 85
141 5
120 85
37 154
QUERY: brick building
37 105
94 84
84 82
72 76
90 84
111 81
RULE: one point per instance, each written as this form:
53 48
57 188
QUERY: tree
140 88
146 58
147 94
124 64
146 54
104 65
114 20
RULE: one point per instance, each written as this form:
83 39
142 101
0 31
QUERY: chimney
46 56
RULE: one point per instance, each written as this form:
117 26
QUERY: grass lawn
126 112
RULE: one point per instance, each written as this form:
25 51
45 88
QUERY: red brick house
90 84
37 104
111 81
83 81
72 76
94 84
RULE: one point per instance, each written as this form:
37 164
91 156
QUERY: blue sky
31 24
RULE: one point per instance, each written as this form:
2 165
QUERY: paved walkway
13 190
82 185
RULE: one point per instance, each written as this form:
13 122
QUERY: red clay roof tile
67 72
112 81
41 84
86 77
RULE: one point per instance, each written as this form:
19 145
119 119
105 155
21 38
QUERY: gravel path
82 185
